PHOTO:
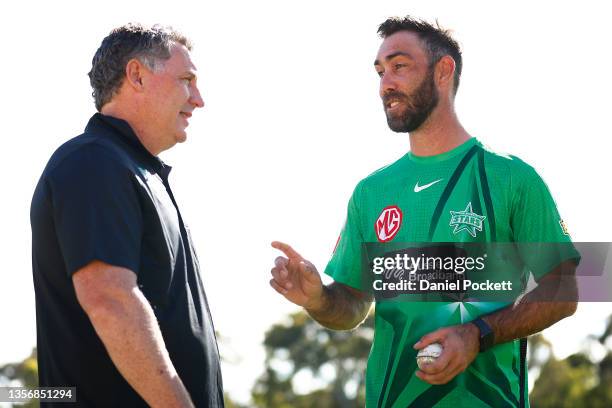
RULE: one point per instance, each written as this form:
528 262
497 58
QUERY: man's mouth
186 115
392 103
392 100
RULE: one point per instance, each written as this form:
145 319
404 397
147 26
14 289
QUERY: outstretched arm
335 306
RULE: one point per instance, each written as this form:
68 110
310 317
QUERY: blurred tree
301 348
539 351
22 374
229 403
576 381
25 374
561 384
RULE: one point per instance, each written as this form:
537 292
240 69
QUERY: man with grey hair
121 310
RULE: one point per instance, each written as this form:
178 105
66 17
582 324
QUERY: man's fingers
277 287
441 364
281 264
442 377
287 250
437 336
280 277
281 261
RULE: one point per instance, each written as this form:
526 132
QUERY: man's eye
398 66
380 73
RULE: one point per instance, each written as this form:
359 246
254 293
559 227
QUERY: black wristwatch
487 337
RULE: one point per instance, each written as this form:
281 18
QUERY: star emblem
466 220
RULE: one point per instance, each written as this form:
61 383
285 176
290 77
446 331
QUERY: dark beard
419 106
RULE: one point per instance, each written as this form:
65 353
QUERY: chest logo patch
388 223
466 220
418 188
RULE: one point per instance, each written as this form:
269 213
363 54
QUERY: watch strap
486 337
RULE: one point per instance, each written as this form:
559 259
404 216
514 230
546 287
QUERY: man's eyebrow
395 54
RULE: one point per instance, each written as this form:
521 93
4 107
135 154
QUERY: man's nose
196 98
387 84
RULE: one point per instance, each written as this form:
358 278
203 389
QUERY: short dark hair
438 41
148 44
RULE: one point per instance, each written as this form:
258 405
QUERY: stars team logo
388 223
466 220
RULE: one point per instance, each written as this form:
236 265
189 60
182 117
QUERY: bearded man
447 189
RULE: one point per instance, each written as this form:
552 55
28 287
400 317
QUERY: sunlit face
407 87
171 97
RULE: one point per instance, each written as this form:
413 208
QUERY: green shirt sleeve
542 239
346 262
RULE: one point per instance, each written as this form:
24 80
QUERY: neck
132 118
440 133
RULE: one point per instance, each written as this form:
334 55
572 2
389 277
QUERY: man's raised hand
296 278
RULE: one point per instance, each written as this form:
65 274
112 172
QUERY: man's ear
134 72
445 72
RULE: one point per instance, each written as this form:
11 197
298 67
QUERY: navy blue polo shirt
103 196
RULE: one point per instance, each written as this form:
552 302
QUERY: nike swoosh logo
418 188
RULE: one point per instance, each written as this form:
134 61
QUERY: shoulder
515 180
383 176
508 166
86 154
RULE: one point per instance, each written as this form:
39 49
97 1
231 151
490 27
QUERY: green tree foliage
25 374
576 381
301 346
22 374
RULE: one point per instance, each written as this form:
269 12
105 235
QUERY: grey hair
150 45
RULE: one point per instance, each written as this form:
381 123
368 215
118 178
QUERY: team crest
466 220
388 223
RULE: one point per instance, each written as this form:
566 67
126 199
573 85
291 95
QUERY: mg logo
388 223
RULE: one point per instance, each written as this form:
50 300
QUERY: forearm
131 335
548 303
339 309
527 318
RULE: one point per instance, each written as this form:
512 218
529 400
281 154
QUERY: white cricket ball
428 354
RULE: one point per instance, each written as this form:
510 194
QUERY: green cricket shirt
468 194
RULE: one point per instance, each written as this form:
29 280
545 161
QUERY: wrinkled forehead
403 43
